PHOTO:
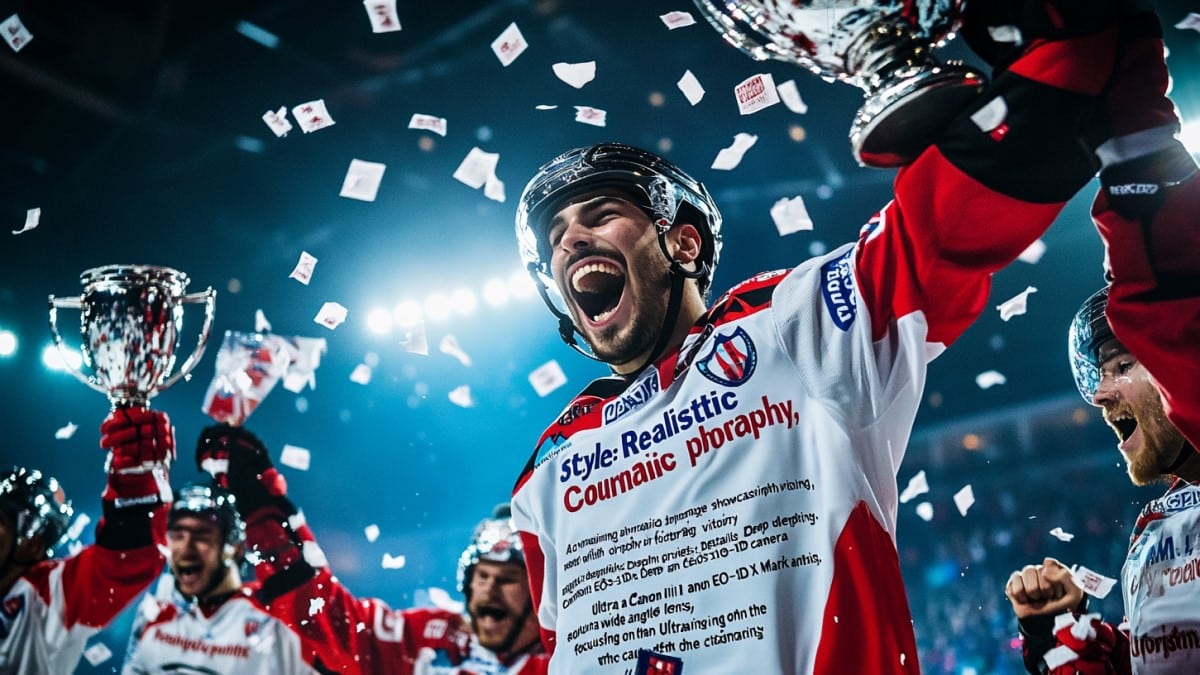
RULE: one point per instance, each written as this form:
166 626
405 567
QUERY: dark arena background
136 126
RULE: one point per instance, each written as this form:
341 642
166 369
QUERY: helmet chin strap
1186 451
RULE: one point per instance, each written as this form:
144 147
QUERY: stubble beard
619 345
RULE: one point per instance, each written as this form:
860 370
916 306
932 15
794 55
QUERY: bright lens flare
8 343
379 321
53 359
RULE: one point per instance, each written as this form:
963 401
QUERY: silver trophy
130 317
881 46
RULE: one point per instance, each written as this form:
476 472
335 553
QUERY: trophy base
899 121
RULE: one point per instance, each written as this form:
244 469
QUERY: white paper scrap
383 15
315 605
1059 656
438 597
593 116
97 653
1061 535
509 45
361 374
372 532
991 116
295 457
547 377
790 96
261 325
675 20
1093 583
277 121
690 87
66 432
1191 21
362 180
545 106
304 268
15 33
415 341
1005 33
790 216
729 158
925 511
449 345
476 167
989 379
461 396
1016 305
32 218
312 116
1033 253
755 93
391 562
430 123
576 74
917 485
964 498
493 189
331 315
76 528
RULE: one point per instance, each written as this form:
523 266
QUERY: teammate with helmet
498 636
743 457
202 617
49 608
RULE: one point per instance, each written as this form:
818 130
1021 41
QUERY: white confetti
493 189
991 116
277 121
509 45
331 315
312 116
315 605
964 498
989 379
1016 305
690 87
97 653
575 74
917 485
1033 253
729 158
362 180
547 377
461 396
295 457
261 325
1060 535
476 167
66 432
1059 656
1093 583
449 345
439 598
1007 33
304 268
436 125
76 529
1189 22
32 218
391 562
755 93
675 20
383 15
15 33
415 340
925 511
545 106
593 116
790 96
372 532
790 216
361 374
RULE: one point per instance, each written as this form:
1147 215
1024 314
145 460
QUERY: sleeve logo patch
837 287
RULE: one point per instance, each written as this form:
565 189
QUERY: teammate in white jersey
726 501
202 618
49 608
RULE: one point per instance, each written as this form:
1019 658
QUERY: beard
618 345
1161 442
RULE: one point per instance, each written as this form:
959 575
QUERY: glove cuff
138 489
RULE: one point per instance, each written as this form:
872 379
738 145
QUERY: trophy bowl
884 47
130 317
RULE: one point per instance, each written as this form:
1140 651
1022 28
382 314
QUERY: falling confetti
1093 583
755 93
391 562
97 653
15 33
476 167
1060 535
450 346
429 123
66 432
964 498
331 315
917 485
675 20
362 180
690 87
989 379
361 374
509 45
547 377
372 532
575 74
261 325
383 15
461 396
312 116
790 215
790 96
593 116
296 457
925 511
277 121
1016 305
1033 253
304 268
729 158
32 218
315 605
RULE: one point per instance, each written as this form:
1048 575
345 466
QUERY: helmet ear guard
38 507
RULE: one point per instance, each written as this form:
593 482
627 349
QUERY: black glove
999 30
239 462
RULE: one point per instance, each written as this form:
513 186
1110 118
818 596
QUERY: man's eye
1124 367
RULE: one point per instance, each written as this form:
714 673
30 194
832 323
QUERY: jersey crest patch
837 287
732 359
9 612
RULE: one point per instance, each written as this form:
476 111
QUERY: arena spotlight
53 359
379 321
407 313
521 285
437 306
463 301
495 293
1189 135
8 343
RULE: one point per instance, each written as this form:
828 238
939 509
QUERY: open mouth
188 573
596 288
1123 424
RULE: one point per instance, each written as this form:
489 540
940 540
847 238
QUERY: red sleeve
990 187
535 567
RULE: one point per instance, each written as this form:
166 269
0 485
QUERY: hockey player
51 607
740 463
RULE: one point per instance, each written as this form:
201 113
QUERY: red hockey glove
239 462
1093 641
141 445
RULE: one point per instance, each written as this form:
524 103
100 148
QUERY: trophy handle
209 298
69 303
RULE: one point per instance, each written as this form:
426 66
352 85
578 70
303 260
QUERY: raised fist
141 445
238 461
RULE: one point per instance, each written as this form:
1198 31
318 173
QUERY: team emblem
732 359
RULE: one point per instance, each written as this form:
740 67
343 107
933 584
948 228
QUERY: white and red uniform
734 505
174 635
51 611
